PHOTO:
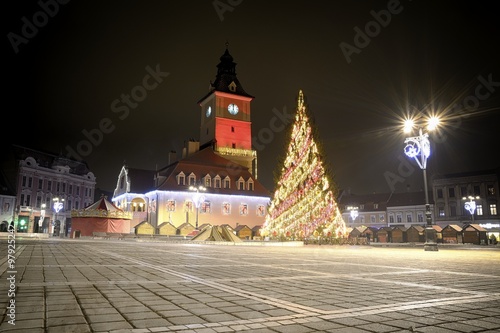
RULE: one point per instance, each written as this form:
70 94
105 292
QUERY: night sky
68 77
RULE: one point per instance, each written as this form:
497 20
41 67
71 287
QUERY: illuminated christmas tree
303 204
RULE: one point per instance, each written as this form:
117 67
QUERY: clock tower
225 116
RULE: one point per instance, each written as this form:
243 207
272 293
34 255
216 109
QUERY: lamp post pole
58 205
354 213
419 148
471 205
197 198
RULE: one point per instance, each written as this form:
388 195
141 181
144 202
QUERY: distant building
407 209
44 178
371 209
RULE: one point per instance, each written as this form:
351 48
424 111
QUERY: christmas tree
303 204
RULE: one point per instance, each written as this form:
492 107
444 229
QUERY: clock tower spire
225 116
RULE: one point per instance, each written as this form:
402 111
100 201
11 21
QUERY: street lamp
58 205
470 205
419 148
198 198
354 212
42 217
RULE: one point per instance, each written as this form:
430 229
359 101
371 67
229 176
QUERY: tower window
232 129
234 145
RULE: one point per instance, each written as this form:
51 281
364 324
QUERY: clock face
233 109
209 111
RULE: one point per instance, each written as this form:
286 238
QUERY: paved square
132 286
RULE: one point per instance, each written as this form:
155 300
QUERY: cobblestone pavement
129 286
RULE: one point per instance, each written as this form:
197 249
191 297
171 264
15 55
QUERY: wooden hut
167 228
452 234
243 231
399 234
144 228
415 234
370 233
185 229
384 235
256 232
357 232
475 234
439 234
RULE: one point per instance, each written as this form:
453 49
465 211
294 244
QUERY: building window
181 179
30 182
451 192
479 210
171 205
40 184
250 185
409 218
362 219
49 186
453 211
77 205
477 191
361 206
233 145
491 190
441 212
208 181
188 206
217 182
227 182
493 209
375 206
440 193
192 180
381 218
205 207
58 187
391 218
261 210
70 189
463 191
232 129
241 184
69 204
226 208
420 217
399 218
78 190
38 202
373 219
243 209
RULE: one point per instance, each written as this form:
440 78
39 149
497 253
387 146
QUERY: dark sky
427 56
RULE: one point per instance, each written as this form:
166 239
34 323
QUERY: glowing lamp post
419 148
58 206
354 212
471 205
198 198
42 217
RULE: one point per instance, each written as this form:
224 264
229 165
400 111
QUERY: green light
23 222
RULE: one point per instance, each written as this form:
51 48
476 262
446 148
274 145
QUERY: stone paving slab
113 286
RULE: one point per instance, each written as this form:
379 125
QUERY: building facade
48 187
215 180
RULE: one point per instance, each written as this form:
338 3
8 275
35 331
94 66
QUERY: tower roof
226 75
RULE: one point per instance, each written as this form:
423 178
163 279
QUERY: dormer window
208 181
232 87
250 184
192 179
217 181
181 178
227 182
241 184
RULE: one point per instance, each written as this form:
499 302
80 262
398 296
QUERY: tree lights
303 203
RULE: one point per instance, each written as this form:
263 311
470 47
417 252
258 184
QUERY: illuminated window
205 207
208 181
493 209
226 208
171 205
491 190
261 210
243 209
441 211
479 209
375 206
381 218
